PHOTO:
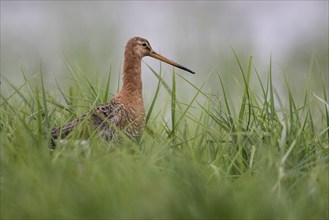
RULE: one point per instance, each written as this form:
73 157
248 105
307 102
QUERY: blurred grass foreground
261 155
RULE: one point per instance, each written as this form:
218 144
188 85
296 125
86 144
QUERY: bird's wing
65 130
103 118
106 117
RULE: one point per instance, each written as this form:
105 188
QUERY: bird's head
141 47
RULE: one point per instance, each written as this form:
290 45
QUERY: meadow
209 156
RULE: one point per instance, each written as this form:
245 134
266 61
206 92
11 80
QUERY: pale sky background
196 34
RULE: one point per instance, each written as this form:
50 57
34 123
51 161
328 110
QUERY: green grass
211 159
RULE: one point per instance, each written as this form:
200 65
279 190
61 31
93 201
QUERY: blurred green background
199 35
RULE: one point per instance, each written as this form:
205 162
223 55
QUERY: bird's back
107 119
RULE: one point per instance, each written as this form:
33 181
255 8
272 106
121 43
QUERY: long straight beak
159 57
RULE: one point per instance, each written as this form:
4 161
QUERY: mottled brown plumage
125 111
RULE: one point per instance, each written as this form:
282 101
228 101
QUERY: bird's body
125 111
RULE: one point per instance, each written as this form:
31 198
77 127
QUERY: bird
125 112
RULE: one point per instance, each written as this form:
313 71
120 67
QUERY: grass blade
173 105
44 100
153 100
107 88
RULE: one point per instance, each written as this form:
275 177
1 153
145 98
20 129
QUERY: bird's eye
144 45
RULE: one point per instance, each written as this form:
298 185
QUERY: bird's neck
132 79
